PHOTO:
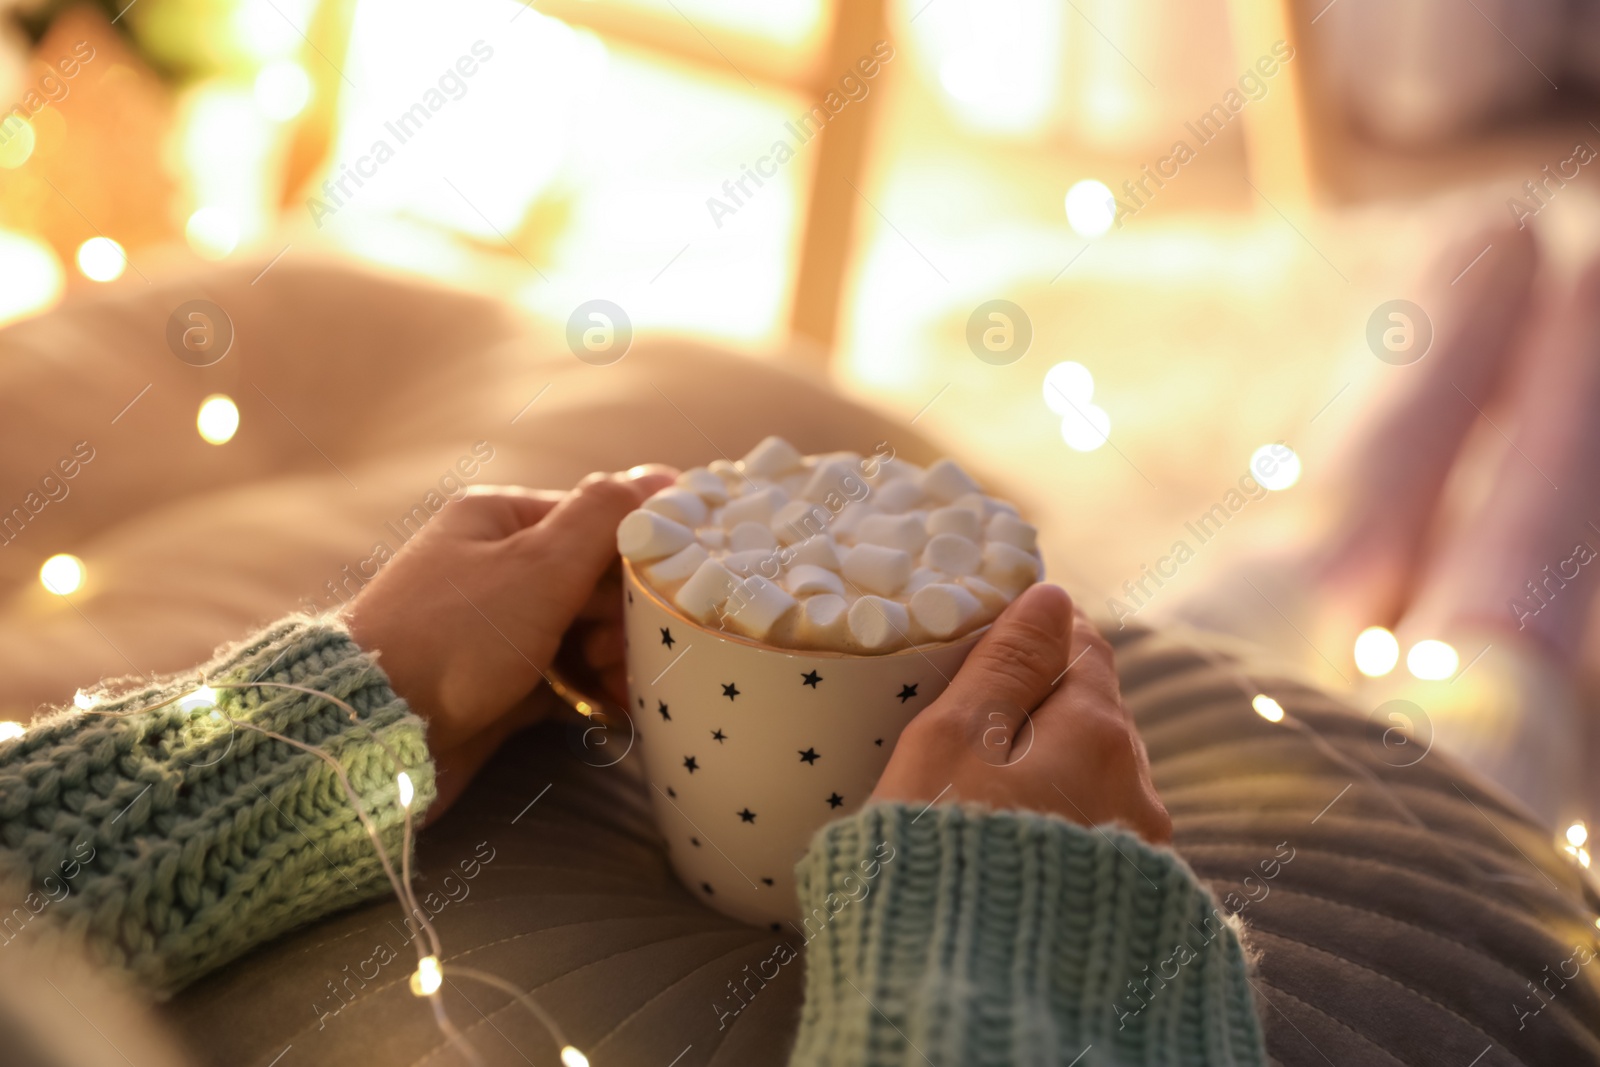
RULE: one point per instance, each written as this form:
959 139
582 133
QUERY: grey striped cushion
1399 911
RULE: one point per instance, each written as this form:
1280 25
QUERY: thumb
1017 663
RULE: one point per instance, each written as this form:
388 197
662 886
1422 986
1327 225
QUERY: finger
1018 661
490 512
577 541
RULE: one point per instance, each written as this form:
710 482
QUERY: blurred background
1197 205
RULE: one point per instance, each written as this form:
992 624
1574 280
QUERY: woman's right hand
1034 719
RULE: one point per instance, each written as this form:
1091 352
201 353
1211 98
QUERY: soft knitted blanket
167 842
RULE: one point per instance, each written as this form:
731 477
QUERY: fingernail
645 470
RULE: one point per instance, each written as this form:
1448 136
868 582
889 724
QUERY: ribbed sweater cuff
167 842
962 936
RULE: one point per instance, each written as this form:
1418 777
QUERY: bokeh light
1578 834
10 731
212 232
282 90
31 278
1067 385
1377 651
1085 428
1275 466
16 141
1267 708
1432 660
101 259
218 419
1091 209
62 574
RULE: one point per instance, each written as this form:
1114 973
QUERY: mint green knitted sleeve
165 843
960 936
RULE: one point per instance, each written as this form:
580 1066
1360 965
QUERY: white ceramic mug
749 750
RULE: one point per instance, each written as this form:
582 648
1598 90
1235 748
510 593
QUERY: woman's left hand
468 616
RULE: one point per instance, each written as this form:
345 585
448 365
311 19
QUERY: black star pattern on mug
809 756
665 716
691 763
707 887
630 596
810 678
641 702
835 800
718 736
907 692
666 637
695 841
747 815
769 883
730 690
879 742
671 792
776 927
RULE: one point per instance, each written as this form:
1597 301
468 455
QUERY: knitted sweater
167 842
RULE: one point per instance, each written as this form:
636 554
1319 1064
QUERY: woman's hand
468 616
1034 719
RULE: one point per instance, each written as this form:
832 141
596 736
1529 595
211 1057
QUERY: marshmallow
761 561
943 609
756 506
897 496
904 532
727 471
849 518
878 624
646 535
750 535
982 506
957 520
679 505
798 520
704 592
772 456
1008 568
712 536
836 480
705 485
993 600
807 578
822 620
1006 527
676 568
920 577
944 481
893 468
818 551
881 570
952 555
754 606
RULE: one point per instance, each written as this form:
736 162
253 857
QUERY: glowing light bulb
1091 209
1432 661
407 790
1578 834
282 90
1377 652
1267 708
571 1057
200 699
101 259
62 574
212 232
1275 466
428 977
218 419
10 731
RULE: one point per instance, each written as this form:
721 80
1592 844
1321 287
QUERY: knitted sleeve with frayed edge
165 843
961 936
